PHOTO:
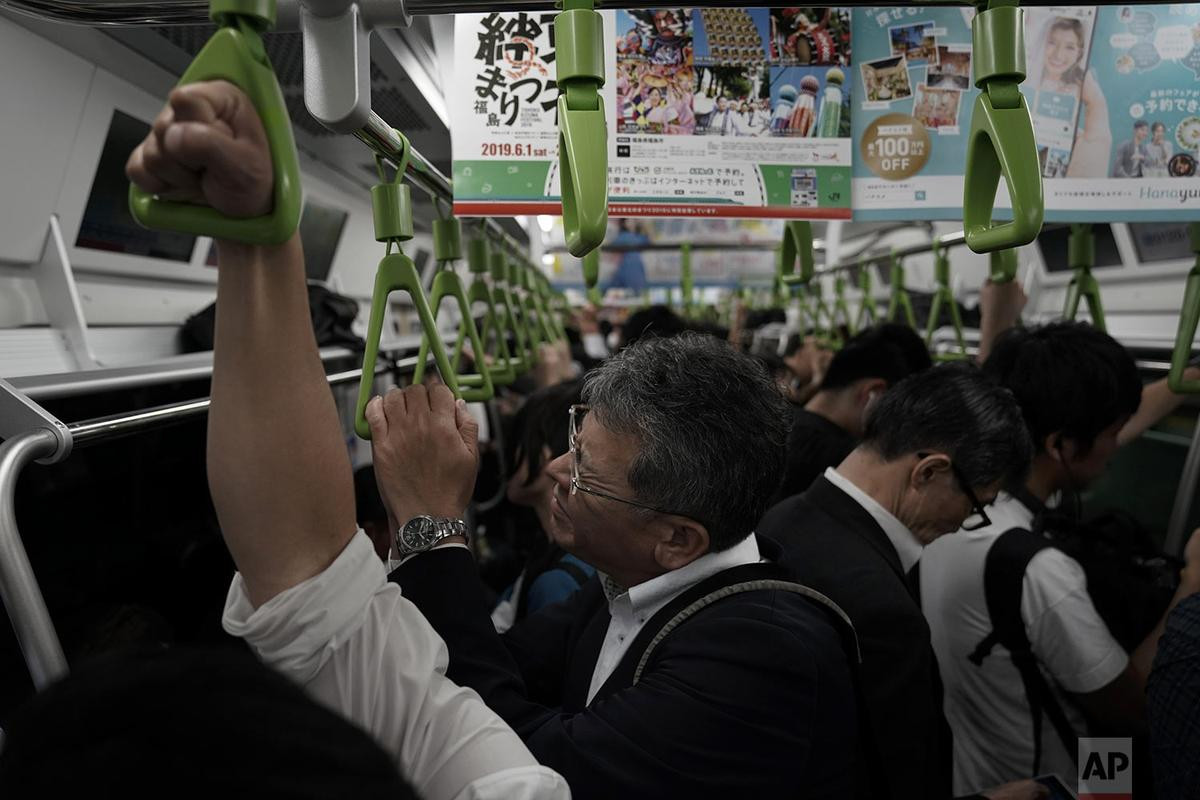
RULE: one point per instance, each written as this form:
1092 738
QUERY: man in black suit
936 449
691 666
827 427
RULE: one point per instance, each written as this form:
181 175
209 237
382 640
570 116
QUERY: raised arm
1000 306
1157 401
277 467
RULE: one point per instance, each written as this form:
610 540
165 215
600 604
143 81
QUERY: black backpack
1129 581
332 315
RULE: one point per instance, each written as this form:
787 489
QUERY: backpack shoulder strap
1003 588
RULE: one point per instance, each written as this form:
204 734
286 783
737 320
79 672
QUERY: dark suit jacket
751 697
833 545
814 444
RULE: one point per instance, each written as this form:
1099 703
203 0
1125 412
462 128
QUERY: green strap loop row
1081 257
583 132
235 53
866 285
591 269
840 307
899 301
1189 317
943 296
507 320
1000 140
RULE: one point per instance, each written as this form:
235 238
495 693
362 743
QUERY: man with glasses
936 448
1029 663
691 666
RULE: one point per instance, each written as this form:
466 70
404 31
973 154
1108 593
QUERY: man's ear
869 389
1053 445
928 470
681 540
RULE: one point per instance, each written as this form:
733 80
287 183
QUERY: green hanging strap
840 307
582 131
474 387
518 277
591 277
235 53
392 205
866 309
539 292
797 248
1003 266
943 295
899 300
1081 257
1189 317
1000 142
826 334
506 314
502 368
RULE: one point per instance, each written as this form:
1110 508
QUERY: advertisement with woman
1113 93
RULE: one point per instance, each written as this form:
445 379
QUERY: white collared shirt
357 646
902 539
630 609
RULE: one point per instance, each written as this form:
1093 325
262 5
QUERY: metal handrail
19 588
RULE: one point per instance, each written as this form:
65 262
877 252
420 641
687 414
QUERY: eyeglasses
577 413
978 517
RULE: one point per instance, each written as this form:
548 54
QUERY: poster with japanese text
711 112
1113 92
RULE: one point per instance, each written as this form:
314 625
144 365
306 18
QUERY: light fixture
545 222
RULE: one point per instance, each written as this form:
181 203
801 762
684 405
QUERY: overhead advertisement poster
1113 92
711 113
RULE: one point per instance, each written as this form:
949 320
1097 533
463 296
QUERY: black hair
210 722
1069 378
957 410
711 426
653 321
890 351
541 423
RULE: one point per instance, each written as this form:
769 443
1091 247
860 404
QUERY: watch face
418 533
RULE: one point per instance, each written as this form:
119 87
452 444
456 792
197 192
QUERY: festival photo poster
710 112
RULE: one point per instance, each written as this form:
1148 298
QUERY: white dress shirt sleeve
359 647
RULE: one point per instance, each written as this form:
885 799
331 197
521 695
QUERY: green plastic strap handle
591 269
396 271
1189 317
866 285
518 281
840 306
235 53
474 387
797 244
942 294
582 131
899 300
502 370
1081 257
1000 141
506 316
1003 266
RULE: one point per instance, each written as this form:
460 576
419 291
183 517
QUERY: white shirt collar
906 544
649 596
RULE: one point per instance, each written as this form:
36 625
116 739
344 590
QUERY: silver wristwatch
422 533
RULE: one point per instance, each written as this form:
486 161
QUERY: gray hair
711 423
957 410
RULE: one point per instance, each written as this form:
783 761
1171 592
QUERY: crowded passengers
713 591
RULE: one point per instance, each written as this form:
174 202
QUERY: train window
107 223
320 230
1053 244
1160 241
